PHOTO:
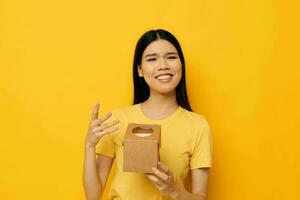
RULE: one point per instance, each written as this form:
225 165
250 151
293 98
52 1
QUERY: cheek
178 67
148 68
176 64
178 71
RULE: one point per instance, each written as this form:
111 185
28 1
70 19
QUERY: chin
166 91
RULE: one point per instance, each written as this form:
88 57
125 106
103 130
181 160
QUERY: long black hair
141 88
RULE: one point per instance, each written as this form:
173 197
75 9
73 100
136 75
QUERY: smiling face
161 67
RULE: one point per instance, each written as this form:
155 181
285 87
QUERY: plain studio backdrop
58 58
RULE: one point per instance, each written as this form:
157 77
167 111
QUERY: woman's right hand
97 129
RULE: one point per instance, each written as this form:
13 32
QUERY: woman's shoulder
196 118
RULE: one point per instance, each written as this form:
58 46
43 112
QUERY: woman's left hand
163 179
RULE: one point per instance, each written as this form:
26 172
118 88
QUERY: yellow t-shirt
185 144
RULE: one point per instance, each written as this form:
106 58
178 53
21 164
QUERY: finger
105 117
99 121
160 174
164 168
105 132
105 126
154 179
95 122
110 124
95 111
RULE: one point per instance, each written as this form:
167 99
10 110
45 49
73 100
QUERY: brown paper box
141 153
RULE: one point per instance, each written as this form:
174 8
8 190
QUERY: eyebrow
154 54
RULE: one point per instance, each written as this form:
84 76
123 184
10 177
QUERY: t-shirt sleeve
202 150
106 145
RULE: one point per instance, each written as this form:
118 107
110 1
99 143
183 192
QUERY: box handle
142 131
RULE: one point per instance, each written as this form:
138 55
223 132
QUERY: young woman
160 97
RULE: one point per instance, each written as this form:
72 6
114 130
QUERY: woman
160 97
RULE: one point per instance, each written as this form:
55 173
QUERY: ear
140 72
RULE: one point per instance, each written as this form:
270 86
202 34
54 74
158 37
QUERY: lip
164 74
167 80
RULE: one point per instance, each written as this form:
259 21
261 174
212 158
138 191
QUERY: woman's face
161 67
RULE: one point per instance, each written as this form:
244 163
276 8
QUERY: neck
161 103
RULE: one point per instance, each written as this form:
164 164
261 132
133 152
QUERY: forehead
160 47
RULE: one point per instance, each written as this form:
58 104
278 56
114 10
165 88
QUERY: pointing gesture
97 128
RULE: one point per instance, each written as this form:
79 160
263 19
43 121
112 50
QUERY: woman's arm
96 171
92 184
199 186
104 164
162 177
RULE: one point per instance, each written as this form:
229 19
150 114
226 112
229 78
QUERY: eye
172 57
151 59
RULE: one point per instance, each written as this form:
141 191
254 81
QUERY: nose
163 65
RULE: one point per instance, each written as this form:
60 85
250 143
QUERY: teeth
161 77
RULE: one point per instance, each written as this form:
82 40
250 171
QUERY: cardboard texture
141 147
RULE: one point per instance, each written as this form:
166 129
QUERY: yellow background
58 58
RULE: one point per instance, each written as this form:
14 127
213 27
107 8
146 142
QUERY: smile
164 78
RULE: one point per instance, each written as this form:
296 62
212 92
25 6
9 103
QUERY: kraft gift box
141 147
